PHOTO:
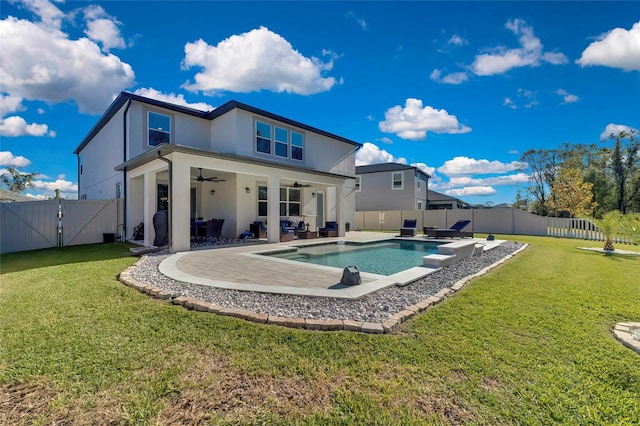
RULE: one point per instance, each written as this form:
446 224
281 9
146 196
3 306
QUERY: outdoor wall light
247 190
213 191
313 194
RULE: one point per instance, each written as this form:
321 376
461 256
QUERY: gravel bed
374 307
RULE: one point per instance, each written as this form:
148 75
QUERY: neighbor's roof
6 195
387 167
124 97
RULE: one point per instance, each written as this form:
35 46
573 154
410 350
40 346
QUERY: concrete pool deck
243 268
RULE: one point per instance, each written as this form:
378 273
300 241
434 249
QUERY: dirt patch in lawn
214 390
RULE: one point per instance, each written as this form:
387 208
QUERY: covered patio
196 185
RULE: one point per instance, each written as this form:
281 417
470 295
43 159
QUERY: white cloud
47 65
51 186
105 31
371 154
618 48
503 180
9 104
17 126
415 120
524 99
471 190
567 97
456 40
254 61
451 78
386 140
470 166
530 53
615 129
172 98
361 22
8 159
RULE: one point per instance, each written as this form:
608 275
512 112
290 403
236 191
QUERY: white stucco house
266 167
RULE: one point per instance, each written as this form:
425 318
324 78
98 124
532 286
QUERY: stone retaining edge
385 327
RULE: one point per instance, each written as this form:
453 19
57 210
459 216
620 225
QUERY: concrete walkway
243 268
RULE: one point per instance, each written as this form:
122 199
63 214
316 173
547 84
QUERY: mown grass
529 343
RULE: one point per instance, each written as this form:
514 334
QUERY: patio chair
409 228
286 232
258 229
330 229
455 231
214 229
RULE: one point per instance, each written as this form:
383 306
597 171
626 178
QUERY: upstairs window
263 137
282 142
397 180
159 128
358 185
297 146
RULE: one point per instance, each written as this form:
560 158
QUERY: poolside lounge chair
456 230
330 229
287 232
409 228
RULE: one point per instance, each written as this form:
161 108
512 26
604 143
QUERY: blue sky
460 89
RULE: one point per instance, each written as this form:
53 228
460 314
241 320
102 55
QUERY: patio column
341 215
273 215
180 205
149 208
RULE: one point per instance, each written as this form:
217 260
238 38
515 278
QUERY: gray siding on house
377 192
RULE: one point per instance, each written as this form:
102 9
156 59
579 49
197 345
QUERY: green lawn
529 343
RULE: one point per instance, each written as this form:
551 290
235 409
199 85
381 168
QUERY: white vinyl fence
32 225
486 221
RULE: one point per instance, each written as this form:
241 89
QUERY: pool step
439 260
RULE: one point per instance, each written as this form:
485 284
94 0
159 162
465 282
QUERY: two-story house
235 162
391 186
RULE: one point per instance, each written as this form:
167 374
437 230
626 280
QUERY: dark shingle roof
387 167
124 97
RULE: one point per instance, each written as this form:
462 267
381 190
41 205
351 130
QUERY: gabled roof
437 196
387 167
124 97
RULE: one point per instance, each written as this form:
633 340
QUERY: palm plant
610 226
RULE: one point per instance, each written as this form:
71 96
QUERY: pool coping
388 326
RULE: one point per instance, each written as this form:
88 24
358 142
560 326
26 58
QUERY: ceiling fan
299 185
209 179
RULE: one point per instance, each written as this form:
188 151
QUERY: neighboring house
438 201
7 196
391 186
266 167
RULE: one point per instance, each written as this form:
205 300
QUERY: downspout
169 209
124 178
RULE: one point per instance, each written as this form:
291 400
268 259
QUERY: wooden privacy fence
32 225
487 221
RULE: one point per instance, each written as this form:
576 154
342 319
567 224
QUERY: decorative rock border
388 326
623 330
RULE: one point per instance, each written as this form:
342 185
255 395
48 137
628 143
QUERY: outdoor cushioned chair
286 232
455 231
409 228
330 229
258 229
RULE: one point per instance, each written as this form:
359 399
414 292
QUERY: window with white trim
118 190
263 137
418 185
297 146
289 202
419 205
358 184
281 137
159 128
263 201
397 180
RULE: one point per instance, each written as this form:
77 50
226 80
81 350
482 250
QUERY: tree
625 167
610 226
17 181
541 166
571 193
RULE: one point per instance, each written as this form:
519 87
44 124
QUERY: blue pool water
384 258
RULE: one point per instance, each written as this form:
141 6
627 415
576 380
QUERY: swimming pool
384 257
